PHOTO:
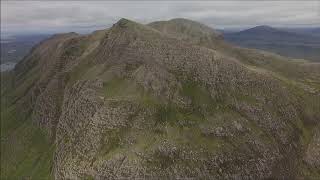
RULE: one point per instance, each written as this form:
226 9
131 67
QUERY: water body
7 66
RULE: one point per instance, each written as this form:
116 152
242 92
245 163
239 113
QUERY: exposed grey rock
148 102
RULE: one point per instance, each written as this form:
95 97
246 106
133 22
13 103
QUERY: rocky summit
166 100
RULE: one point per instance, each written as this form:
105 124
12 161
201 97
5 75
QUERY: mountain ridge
138 101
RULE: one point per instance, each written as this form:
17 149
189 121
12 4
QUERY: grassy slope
25 150
173 123
179 126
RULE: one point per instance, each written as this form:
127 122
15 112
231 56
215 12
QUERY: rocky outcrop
139 101
312 156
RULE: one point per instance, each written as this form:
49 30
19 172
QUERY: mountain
165 100
282 42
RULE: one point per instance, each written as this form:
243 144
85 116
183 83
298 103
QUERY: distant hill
315 31
290 44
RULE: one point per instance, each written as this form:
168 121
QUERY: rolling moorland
170 99
294 43
315 31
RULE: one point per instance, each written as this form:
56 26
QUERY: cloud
59 16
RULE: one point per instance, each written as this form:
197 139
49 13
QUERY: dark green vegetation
169 99
291 44
25 149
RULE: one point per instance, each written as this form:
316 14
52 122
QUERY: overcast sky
81 16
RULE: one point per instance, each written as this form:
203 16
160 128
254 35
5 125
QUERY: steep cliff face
167 101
